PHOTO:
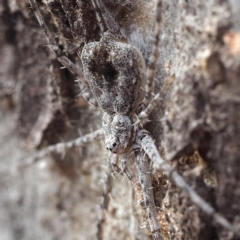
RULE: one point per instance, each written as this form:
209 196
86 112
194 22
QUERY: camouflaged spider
114 72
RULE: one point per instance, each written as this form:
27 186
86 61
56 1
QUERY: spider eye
114 144
120 123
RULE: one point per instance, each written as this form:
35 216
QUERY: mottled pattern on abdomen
116 73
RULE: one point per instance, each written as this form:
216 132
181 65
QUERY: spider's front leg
125 169
54 46
114 162
144 175
61 148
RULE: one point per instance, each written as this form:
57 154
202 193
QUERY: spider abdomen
115 72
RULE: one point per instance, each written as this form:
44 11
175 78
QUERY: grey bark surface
196 126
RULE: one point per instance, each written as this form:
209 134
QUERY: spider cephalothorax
118 133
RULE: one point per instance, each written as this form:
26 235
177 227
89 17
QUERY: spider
114 72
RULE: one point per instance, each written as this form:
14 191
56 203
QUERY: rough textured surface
196 125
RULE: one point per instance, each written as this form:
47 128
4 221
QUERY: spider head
118 133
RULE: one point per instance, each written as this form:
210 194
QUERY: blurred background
196 126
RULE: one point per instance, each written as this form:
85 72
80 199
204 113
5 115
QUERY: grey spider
114 71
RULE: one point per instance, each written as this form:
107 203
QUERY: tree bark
196 125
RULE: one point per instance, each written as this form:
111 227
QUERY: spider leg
154 56
87 95
125 169
54 108
61 147
100 18
147 144
114 162
62 59
143 115
105 199
144 175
